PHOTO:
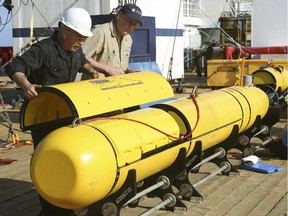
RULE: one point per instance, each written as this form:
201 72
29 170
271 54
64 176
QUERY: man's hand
132 71
97 75
111 71
30 90
105 69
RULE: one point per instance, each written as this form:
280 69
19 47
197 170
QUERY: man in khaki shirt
108 50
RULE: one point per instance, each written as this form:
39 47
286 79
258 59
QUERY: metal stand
221 150
217 155
182 182
259 129
112 205
166 193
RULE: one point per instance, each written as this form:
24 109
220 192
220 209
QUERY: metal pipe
249 61
219 152
255 50
264 130
146 191
265 142
265 50
168 199
225 165
157 207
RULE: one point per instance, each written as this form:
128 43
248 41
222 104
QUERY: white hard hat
79 20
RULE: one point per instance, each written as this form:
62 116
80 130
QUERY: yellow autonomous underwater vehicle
120 135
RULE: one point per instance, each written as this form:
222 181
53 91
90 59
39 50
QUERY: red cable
192 96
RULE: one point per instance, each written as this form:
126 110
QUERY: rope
34 5
169 75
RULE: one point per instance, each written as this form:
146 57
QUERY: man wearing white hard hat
56 59
53 61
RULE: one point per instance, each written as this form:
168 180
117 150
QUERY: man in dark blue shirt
56 59
53 61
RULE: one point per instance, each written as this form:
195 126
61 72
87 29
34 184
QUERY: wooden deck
250 194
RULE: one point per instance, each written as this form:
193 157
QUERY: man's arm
105 69
22 66
29 89
89 70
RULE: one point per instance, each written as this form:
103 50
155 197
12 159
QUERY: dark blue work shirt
46 63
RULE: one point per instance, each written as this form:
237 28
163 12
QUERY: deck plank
278 209
270 201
